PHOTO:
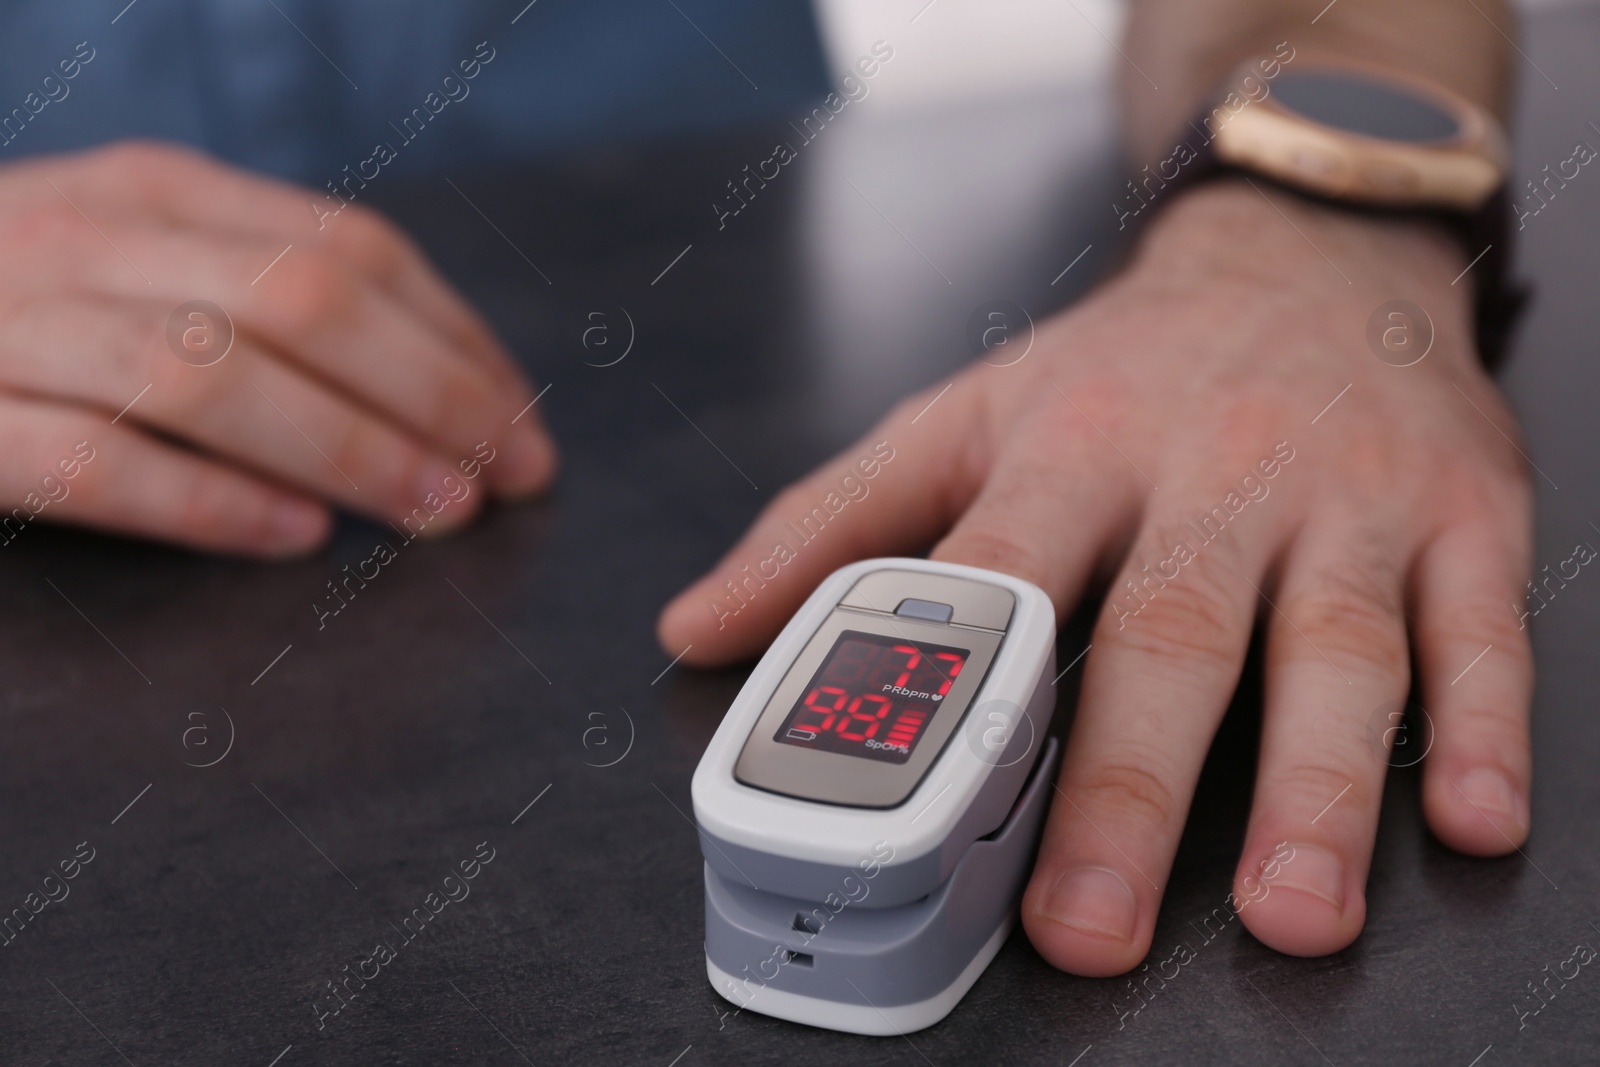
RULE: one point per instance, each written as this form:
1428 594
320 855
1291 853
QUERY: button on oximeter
932 611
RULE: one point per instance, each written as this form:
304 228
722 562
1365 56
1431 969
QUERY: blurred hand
356 376
1175 429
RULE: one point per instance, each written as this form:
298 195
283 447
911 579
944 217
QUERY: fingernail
1094 900
1313 870
297 523
1493 794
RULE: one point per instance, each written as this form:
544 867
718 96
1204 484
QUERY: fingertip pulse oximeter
870 805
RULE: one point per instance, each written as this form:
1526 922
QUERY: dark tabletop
500 694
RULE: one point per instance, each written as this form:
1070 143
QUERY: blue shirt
303 88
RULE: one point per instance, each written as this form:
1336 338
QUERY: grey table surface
502 690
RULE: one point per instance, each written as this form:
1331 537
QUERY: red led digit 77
952 664
913 657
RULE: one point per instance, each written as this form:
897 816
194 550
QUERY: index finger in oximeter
863 811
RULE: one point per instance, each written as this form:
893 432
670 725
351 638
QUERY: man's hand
1212 426
356 375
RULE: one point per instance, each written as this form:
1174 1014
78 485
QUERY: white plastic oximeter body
870 804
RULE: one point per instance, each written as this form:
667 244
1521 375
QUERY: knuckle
309 295
127 352
137 157
1506 470
1512 480
47 224
1306 788
1189 620
193 507
458 407
1056 427
1251 416
202 506
194 396
92 491
1027 466
189 397
1348 618
1478 622
1498 491
1102 390
355 448
152 168
1497 723
132 352
1131 791
365 451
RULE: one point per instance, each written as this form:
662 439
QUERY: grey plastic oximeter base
875 970
887 1021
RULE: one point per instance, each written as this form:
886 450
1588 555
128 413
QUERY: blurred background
979 94
997 48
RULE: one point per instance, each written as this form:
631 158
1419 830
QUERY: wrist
1252 235
1235 210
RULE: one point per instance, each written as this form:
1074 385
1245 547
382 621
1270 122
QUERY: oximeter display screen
873 696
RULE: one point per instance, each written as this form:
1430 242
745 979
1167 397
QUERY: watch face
1357 105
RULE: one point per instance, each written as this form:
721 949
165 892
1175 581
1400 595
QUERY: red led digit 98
872 696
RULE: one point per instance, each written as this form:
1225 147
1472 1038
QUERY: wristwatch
1368 139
